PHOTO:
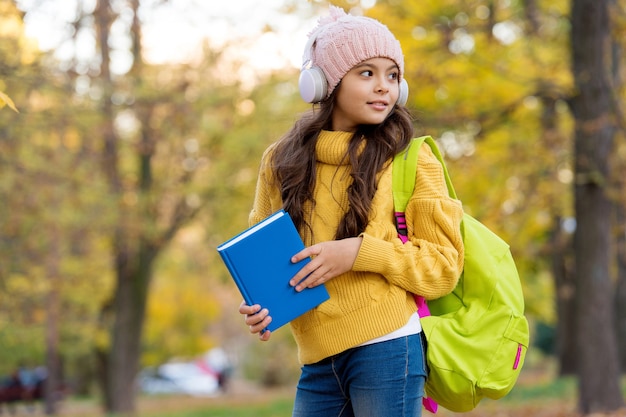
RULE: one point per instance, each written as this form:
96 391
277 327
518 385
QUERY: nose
381 85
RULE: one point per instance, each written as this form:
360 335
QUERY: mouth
378 104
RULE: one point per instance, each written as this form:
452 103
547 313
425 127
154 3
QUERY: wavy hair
293 162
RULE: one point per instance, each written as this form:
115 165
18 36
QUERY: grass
279 403
274 408
561 388
270 403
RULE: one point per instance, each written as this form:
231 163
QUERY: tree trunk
565 289
561 246
599 383
620 250
135 249
53 306
133 279
620 205
620 292
124 317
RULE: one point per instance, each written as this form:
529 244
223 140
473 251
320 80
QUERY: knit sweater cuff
371 253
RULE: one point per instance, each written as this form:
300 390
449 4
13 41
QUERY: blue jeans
380 380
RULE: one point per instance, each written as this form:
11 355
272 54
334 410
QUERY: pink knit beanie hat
340 41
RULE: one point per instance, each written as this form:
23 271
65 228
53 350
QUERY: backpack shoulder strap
403 179
403 174
433 147
405 168
402 183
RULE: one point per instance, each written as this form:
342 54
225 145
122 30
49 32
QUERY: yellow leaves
178 316
72 139
6 101
10 23
12 34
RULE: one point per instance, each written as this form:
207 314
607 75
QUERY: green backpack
477 335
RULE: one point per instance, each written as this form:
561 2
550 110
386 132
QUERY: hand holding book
257 319
260 262
329 259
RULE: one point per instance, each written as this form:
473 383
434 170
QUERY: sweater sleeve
266 197
430 263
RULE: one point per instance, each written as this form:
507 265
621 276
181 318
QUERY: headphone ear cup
312 84
403 93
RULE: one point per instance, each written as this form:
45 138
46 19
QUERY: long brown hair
293 162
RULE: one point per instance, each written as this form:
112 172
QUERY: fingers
329 259
317 276
246 309
313 250
257 319
310 271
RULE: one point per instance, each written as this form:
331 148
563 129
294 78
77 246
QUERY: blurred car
190 378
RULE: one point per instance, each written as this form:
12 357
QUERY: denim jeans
384 379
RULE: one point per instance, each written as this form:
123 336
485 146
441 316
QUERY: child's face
366 94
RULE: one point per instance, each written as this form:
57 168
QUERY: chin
377 121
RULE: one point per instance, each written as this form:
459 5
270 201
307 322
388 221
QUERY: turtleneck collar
332 147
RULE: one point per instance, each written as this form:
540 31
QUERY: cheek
395 89
345 98
350 88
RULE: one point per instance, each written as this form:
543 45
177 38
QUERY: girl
362 351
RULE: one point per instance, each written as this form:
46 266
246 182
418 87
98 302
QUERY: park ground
535 395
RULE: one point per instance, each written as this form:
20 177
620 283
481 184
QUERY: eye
393 76
367 73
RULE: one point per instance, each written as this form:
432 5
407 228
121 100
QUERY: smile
378 105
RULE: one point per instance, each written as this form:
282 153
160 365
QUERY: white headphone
313 85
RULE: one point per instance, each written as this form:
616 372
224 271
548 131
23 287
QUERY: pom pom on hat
340 41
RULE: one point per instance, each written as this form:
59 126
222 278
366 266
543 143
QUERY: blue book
259 260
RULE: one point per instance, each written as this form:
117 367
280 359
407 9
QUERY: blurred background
130 137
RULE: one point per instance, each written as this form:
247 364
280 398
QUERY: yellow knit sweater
375 297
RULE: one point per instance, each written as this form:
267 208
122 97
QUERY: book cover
259 261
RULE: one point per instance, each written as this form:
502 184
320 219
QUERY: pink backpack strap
430 404
422 306
403 231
